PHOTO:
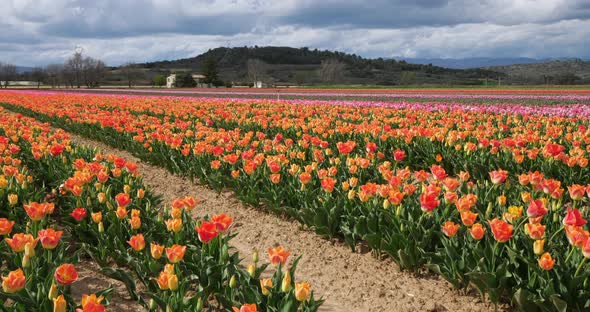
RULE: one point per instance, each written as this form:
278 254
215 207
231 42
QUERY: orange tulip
78 214
5 226
14 281
137 242
156 250
121 212
174 225
450 229
49 238
328 184
59 304
175 253
18 241
477 231
302 291
222 221
135 223
536 231
265 286
576 191
35 211
429 201
278 255
546 262
207 231
96 217
498 176
66 274
536 209
123 200
502 231
468 217
91 303
246 308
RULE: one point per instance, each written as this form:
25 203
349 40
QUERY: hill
471 62
550 72
286 65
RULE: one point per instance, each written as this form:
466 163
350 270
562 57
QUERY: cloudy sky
38 32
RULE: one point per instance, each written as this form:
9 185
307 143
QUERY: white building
171 80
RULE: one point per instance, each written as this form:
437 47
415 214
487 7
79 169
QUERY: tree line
77 71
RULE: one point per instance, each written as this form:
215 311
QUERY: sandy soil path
348 281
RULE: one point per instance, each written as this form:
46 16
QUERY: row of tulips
395 179
65 202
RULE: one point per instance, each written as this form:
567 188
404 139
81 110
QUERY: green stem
580 266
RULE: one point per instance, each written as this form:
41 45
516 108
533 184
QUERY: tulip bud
252 270
12 199
538 246
98 186
501 200
100 228
26 261
140 193
266 285
59 304
88 201
153 305
286 284
232 282
255 256
168 308
489 210
199 305
345 186
386 204
398 210
351 194
29 250
126 189
52 292
173 282
102 197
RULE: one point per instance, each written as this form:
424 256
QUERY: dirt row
348 281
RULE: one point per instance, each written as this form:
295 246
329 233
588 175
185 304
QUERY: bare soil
349 281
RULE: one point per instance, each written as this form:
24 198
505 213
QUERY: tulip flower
222 221
91 303
450 229
278 255
5 226
573 217
502 231
207 231
477 231
135 223
302 291
156 250
66 274
96 217
498 176
14 281
35 211
49 238
546 262
536 231
265 286
175 253
429 201
18 241
59 304
137 242
78 214
121 212
538 246
536 209
246 308
286 283
12 199
468 218
174 225
123 200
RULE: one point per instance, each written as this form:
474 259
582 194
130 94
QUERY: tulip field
490 194
61 202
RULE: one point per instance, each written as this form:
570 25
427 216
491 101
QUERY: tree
256 70
331 70
92 72
211 73
407 78
130 72
185 80
74 67
55 74
38 75
160 81
7 73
